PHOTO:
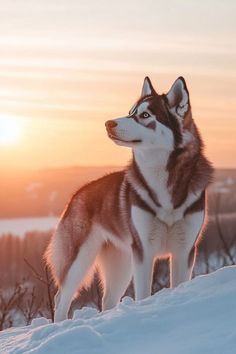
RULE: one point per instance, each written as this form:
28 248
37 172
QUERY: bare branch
47 282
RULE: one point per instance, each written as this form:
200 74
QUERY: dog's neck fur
151 159
152 165
149 167
172 175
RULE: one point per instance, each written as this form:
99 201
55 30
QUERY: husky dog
123 221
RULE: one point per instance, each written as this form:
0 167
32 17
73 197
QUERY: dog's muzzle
110 125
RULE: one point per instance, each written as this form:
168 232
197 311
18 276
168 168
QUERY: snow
21 226
197 317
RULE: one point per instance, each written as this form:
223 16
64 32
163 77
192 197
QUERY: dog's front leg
183 248
143 273
143 268
181 268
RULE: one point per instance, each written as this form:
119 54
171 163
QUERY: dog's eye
145 115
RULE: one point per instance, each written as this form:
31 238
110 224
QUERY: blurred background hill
45 192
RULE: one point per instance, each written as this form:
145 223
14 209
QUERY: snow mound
197 317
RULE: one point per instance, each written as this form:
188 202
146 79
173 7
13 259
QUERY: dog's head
155 121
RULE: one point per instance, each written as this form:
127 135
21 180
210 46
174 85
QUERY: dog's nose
110 124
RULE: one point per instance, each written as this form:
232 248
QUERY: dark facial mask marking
151 125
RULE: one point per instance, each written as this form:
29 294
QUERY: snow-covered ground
20 226
197 317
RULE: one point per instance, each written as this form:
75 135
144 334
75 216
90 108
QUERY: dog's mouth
114 137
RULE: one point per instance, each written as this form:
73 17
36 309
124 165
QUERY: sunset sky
68 66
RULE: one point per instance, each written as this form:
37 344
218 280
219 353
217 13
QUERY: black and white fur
122 222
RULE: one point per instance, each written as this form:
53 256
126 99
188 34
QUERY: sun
10 130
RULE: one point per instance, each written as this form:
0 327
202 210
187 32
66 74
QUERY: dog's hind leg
116 270
75 276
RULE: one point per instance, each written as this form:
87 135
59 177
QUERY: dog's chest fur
156 192
168 223
162 237
165 212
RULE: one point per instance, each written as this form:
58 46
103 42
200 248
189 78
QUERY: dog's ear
147 89
178 97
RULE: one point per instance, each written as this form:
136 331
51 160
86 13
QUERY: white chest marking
156 177
173 215
163 239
